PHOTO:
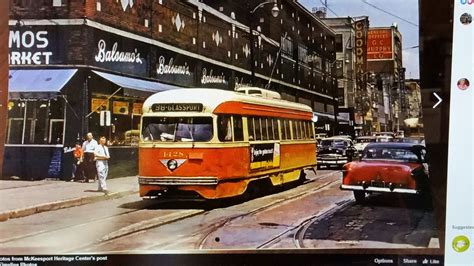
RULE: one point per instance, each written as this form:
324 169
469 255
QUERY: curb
56 205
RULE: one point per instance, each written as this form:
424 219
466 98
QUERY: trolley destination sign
177 107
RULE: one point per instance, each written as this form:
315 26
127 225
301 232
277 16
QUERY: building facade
384 55
72 59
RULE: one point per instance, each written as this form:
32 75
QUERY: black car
335 152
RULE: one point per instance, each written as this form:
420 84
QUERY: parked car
390 134
387 167
335 152
384 138
362 142
320 136
415 140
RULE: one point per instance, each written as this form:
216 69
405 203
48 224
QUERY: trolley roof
212 98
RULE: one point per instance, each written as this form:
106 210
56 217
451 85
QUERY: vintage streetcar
211 144
387 167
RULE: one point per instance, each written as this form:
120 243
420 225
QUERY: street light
275 13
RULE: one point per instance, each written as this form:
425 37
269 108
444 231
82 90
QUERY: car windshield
334 142
365 140
164 129
410 140
376 153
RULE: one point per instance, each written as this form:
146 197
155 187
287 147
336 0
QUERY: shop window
125 116
35 122
250 127
16 114
238 128
224 128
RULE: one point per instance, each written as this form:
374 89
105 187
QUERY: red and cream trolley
210 143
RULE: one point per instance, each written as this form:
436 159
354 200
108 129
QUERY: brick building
70 59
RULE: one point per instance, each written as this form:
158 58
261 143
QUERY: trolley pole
4 33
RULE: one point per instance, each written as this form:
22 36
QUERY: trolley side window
305 129
224 128
264 128
294 129
177 129
275 129
238 128
258 128
250 127
286 129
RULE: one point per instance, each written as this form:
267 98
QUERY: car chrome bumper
178 181
379 189
330 161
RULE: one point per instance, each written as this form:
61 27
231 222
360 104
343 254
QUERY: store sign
114 55
208 77
169 68
177 107
98 104
29 48
241 82
137 108
361 28
379 46
120 108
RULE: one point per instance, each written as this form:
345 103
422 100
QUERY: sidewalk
22 198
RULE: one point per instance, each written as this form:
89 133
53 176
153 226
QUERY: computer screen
236 132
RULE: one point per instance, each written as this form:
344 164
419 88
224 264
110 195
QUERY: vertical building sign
361 29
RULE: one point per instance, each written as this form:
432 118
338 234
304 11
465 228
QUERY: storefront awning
135 84
318 115
38 83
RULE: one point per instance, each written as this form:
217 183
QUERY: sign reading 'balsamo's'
174 68
379 46
119 54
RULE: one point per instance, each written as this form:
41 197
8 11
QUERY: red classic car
387 167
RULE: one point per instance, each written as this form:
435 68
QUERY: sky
405 9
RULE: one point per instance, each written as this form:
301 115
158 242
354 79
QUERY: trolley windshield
173 129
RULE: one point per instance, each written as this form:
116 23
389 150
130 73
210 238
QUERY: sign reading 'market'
29 48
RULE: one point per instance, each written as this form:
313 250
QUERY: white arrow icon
439 99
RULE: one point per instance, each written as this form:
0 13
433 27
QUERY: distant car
415 140
387 167
390 134
362 142
384 138
342 136
335 152
320 136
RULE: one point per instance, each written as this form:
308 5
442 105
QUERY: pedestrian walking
102 156
88 147
77 169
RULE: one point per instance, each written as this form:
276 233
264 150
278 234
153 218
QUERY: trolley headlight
172 164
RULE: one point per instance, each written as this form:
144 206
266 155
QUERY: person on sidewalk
101 161
88 147
77 169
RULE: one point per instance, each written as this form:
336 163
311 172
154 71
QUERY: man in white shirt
88 148
102 154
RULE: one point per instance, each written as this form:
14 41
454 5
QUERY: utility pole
4 33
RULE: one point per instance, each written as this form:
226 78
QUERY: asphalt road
315 214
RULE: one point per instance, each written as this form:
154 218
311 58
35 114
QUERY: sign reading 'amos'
29 47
